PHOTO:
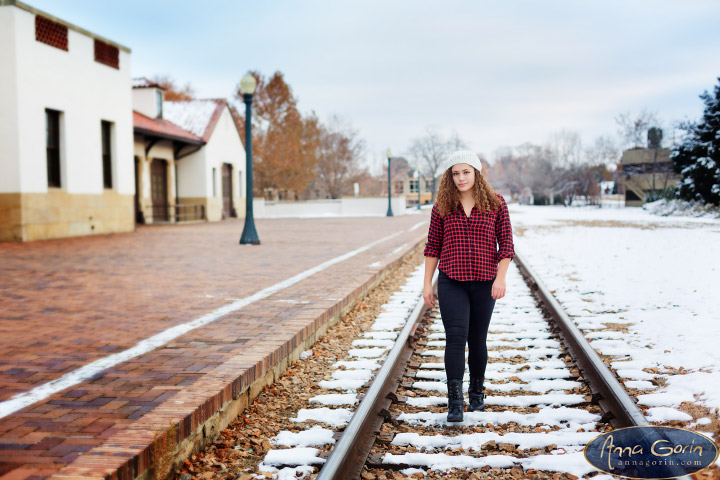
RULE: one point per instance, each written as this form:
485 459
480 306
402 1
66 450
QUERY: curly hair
448 196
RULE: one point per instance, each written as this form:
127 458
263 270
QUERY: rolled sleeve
503 232
433 247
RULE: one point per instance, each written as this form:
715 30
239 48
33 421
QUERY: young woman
471 236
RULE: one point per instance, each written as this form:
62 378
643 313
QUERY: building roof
645 155
196 116
33 10
163 128
142 82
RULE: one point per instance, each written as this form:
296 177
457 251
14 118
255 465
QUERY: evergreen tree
697 158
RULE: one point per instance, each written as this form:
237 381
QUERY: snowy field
659 274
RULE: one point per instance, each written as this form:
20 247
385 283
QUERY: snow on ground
331 416
682 207
315 436
475 441
626 265
293 456
335 399
361 364
571 462
571 418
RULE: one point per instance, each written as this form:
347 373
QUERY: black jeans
466 308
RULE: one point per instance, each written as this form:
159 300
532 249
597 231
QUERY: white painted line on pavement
397 249
41 392
417 225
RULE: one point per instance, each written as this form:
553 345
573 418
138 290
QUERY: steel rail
350 453
612 395
607 390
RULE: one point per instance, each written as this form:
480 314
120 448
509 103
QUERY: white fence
343 207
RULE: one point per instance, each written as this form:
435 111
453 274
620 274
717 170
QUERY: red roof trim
163 128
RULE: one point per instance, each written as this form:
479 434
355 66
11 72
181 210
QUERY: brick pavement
65 303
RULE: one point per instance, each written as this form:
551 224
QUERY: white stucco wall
195 170
9 136
192 175
144 100
225 147
85 91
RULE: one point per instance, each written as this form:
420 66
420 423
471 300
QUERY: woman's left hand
498 288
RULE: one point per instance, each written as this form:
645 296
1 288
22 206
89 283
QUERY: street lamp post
249 235
389 211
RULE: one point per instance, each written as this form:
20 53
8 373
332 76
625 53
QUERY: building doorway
159 190
228 210
139 217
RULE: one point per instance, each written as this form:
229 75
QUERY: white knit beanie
463 156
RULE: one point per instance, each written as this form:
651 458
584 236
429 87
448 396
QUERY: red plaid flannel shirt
467 247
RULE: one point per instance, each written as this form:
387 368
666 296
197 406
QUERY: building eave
35 11
166 136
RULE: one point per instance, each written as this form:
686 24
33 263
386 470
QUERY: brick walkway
65 303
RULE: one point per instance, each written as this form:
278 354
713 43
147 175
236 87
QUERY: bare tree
633 128
567 148
541 173
550 170
586 182
339 153
400 166
174 91
455 143
430 150
603 151
507 170
368 184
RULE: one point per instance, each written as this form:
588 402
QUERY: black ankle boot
455 401
475 392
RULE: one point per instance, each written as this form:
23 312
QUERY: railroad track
547 394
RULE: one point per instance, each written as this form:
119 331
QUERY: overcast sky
497 73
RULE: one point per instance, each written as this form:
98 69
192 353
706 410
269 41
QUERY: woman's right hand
429 296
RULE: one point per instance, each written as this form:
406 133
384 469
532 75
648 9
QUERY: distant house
644 172
607 188
410 185
65 129
189 156
526 196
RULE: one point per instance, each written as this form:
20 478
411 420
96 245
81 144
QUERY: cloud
499 73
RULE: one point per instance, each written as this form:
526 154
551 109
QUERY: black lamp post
389 212
249 235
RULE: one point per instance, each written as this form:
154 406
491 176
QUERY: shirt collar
461 210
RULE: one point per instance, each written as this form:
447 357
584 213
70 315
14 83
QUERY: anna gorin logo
651 452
